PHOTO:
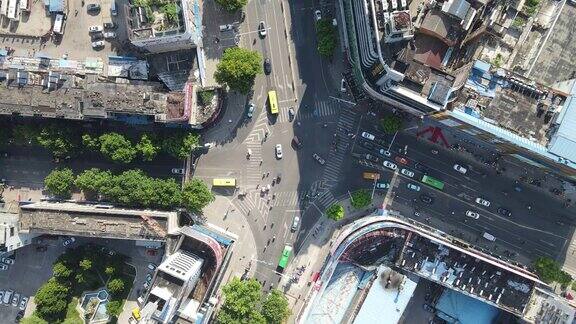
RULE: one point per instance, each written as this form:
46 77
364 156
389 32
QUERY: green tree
114 308
59 182
547 269
170 10
33 319
335 212
327 37
93 180
116 286
80 278
51 300
196 196
117 148
241 302
361 199
90 142
275 307
110 270
391 124
147 148
85 264
238 68
61 271
180 144
232 5
59 140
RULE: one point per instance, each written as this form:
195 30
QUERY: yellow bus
273 102
224 182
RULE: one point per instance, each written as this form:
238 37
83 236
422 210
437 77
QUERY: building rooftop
149 18
182 265
96 220
444 27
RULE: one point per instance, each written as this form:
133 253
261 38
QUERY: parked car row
10 297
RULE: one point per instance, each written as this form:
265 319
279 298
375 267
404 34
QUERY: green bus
435 183
284 258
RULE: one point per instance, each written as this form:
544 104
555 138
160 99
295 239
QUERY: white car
69 241
414 187
23 303
367 135
385 153
95 29
177 171
407 173
318 158
295 223
97 44
262 29
3 267
250 112
382 185
151 266
15 299
278 151
109 35
460 168
472 214
317 15
343 85
390 165
482 202
7 260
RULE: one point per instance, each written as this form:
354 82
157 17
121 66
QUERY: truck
489 236
58 23
371 175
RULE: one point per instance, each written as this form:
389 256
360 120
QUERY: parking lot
76 41
33 266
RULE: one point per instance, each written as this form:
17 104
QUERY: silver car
407 173
482 201
390 165
278 151
295 223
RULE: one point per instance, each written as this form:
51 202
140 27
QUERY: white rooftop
182 265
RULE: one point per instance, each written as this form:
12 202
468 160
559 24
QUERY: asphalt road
538 225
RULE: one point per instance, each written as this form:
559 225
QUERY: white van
489 236
113 8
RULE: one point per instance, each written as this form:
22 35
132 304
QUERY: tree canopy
33 319
147 148
59 182
59 140
327 37
51 300
117 148
61 271
335 212
238 68
232 5
391 124
116 286
275 307
180 144
549 271
114 308
361 199
196 196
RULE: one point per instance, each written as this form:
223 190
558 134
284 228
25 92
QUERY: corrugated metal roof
56 6
563 142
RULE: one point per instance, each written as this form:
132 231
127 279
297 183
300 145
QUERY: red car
401 160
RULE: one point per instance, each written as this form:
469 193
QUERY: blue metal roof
482 66
56 6
563 142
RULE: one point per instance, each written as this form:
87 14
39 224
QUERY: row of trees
327 37
244 303
65 141
130 188
550 271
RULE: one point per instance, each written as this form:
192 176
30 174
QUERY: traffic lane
278 45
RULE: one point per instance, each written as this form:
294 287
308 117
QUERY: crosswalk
319 110
325 200
253 203
288 199
346 122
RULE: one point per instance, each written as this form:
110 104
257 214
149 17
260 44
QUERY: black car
381 141
110 25
97 36
372 158
504 212
267 66
92 7
426 199
367 145
19 316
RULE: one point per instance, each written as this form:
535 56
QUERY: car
95 29
295 223
19 316
367 145
426 199
318 158
7 297
482 201
91 7
278 150
3 267
381 141
262 29
15 299
317 15
7 260
1 296
390 165
382 185
267 66
146 285
367 135
108 35
343 85
407 173
297 143
110 25
414 187
226 27
148 277
384 152
472 214
96 37
460 168
372 158
401 160
23 303
69 241
151 266
291 113
250 111
177 171
503 211
98 44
